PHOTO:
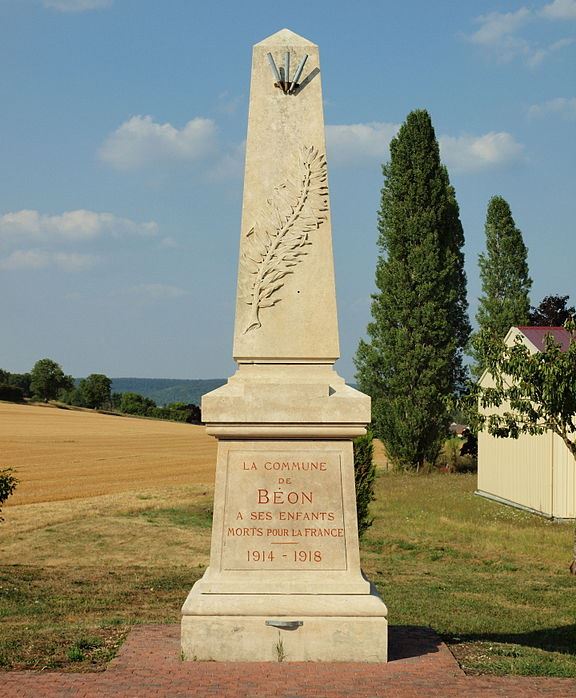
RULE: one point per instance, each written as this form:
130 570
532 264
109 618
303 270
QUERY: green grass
492 580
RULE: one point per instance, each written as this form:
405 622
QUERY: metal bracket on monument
282 76
285 624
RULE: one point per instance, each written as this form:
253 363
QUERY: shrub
364 475
21 380
451 459
16 380
134 403
11 393
183 412
7 486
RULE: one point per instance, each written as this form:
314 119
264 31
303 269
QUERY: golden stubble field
66 454
62 454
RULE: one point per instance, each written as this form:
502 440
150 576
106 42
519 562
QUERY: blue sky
121 151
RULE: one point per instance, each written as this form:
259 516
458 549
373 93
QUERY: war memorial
284 580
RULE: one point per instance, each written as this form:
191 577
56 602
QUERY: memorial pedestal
284 575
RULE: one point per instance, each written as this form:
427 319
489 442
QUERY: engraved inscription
284 511
277 241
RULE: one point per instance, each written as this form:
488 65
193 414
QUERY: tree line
47 381
412 360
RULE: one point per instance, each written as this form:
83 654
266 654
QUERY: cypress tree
505 280
412 360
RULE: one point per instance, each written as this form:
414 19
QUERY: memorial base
257 628
284 581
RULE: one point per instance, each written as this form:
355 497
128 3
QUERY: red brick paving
149 665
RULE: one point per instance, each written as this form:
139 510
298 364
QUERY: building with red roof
537 473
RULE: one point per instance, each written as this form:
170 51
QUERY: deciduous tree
7 486
48 380
95 390
134 403
553 311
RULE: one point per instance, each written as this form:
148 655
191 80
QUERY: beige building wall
563 481
517 470
536 472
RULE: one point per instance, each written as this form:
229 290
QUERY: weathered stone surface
329 638
284 520
285 536
286 202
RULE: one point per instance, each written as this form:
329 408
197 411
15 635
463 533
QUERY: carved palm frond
278 239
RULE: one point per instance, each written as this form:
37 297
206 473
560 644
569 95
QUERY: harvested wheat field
64 454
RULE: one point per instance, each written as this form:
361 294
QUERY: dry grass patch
169 526
77 575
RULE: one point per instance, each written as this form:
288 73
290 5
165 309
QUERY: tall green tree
505 280
412 360
134 403
47 380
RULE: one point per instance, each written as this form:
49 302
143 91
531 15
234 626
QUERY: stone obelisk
284 581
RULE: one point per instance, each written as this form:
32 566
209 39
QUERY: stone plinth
284 581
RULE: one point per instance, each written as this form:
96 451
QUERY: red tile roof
537 336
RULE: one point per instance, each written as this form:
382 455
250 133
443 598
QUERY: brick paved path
149 665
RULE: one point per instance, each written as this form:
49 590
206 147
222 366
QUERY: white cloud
536 56
70 226
73 261
76 5
500 32
354 143
42 259
496 27
560 9
168 242
469 153
561 106
157 291
141 141
348 143
26 259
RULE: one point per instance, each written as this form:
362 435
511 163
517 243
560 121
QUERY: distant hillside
166 390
